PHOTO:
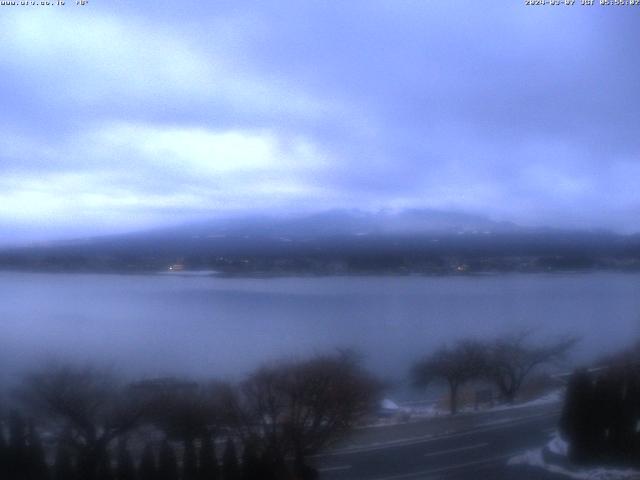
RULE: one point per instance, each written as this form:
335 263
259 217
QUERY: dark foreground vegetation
601 415
71 423
67 423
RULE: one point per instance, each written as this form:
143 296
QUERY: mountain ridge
339 241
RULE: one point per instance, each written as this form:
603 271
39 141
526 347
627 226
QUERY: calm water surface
217 326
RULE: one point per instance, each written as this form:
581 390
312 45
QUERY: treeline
505 362
330 254
328 263
70 423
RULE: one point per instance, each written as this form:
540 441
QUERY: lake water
206 326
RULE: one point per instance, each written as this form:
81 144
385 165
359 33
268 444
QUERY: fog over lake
207 326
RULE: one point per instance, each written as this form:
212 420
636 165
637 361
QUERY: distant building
177 267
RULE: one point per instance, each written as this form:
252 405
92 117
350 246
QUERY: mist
287 240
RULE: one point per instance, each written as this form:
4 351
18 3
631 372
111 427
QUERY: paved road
479 452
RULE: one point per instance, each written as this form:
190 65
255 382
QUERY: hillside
339 242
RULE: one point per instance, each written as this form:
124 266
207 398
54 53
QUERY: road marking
334 469
422 473
431 438
459 449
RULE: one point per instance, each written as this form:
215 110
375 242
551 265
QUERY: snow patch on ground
558 447
393 414
551 397
389 404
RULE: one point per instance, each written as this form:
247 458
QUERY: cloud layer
121 116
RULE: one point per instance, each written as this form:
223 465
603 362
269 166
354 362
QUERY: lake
208 326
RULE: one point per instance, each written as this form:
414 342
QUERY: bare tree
299 408
512 358
455 366
87 404
182 409
327 396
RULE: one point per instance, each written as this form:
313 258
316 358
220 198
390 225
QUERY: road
479 451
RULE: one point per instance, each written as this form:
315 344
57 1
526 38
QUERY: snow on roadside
559 448
558 445
552 397
406 414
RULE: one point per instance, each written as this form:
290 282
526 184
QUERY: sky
125 115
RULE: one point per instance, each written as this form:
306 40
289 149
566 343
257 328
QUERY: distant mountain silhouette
340 241
348 222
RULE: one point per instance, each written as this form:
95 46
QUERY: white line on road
430 438
459 449
333 469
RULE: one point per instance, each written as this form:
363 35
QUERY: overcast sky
121 115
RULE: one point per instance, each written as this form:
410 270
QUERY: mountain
337 242
348 222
